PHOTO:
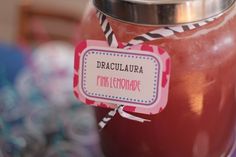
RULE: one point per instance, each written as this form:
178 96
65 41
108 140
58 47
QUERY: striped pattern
120 108
102 124
167 32
107 29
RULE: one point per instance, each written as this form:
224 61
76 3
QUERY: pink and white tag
137 78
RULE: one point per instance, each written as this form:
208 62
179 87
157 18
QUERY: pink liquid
200 115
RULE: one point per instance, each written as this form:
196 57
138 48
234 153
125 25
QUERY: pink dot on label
161 109
166 73
161 51
129 108
89 102
103 105
76 80
168 66
164 79
146 47
76 94
78 50
120 45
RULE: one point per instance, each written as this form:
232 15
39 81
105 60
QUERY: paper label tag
137 78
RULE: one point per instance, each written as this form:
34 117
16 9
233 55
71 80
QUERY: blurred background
39 116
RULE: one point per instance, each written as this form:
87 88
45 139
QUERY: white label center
120 76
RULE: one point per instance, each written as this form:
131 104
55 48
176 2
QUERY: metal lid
162 12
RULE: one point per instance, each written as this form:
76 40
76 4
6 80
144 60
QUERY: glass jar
200 115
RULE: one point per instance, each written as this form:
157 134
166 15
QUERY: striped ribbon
107 30
149 36
167 32
122 113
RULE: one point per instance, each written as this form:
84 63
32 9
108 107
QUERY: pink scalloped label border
137 78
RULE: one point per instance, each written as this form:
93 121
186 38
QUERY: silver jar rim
162 12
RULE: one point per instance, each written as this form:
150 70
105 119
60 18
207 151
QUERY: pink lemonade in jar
199 118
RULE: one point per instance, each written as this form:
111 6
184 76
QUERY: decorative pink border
153 109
